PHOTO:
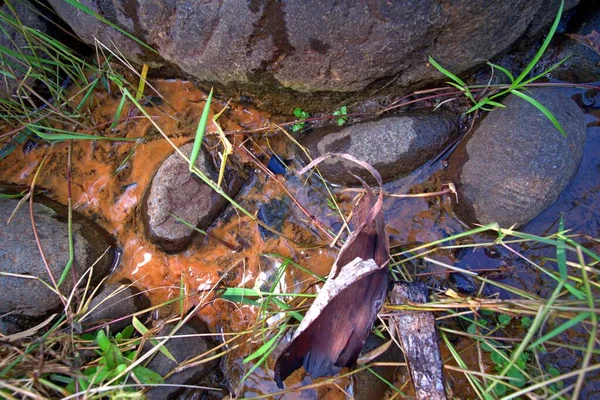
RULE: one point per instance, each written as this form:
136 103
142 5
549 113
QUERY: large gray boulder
394 146
321 51
517 163
176 194
23 297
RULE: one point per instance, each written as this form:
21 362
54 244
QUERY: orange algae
109 180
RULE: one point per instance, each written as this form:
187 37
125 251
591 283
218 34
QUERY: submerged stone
24 299
517 163
176 194
394 146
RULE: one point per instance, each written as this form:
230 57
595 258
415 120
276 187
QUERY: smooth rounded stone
116 302
394 146
316 54
176 192
582 62
13 39
22 295
517 163
183 348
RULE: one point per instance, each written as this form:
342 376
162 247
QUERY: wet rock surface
182 348
22 296
176 192
394 146
579 45
258 48
517 163
116 303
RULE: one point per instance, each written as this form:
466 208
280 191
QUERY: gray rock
14 40
395 146
175 191
116 302
22 295
314 53
182 348
517 163
583 63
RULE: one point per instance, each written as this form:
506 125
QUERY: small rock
182 348
116 302
394 146
273 214
582 64
176 192
517 162
580 45
22 294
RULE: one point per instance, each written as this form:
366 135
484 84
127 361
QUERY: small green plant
517 84
341 113
301 115
115 355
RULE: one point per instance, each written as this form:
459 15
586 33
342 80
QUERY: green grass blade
142 330
265 348
541 50
542 109
561 328
200 130
545 72
502 69
117 116
446 72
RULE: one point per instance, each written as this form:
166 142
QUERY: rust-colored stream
109 180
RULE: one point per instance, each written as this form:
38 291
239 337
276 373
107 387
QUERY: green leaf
446 72
117 115
497 357
102 340
147 376
517 377
504 319
267 347
200 131
526 322
561 328
542 109
113 357
500 389
127 332
298 112
553 372
142 330
502 69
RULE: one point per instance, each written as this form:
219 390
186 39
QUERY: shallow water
109 180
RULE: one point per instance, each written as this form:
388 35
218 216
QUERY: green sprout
302 116
341 113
